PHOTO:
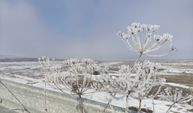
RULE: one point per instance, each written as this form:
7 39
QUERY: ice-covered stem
45 96
127 104
140 102
179 99
153 105
46 65
108 105
158 91
171 107
119 84
175 95
80 105
17 99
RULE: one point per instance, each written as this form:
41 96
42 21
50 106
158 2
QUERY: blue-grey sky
87 28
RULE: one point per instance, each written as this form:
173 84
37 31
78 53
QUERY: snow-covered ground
29 73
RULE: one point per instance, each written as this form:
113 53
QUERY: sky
87 28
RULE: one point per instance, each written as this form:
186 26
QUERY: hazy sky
87 28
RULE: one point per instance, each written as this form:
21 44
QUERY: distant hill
8 56
18 59
13 58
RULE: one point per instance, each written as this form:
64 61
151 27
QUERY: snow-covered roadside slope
36 80
160 106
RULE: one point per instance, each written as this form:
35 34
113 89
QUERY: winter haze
87 28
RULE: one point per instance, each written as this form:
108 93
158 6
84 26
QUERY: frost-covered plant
144 80
78 76
175 95
74 75
144 39
47 67
136 81
116 85
85 76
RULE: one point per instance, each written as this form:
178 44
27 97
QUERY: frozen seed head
144 39
88 61
44 61
173 48
71 61
167 37
152 28
135 25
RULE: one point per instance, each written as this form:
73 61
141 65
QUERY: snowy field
29 73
